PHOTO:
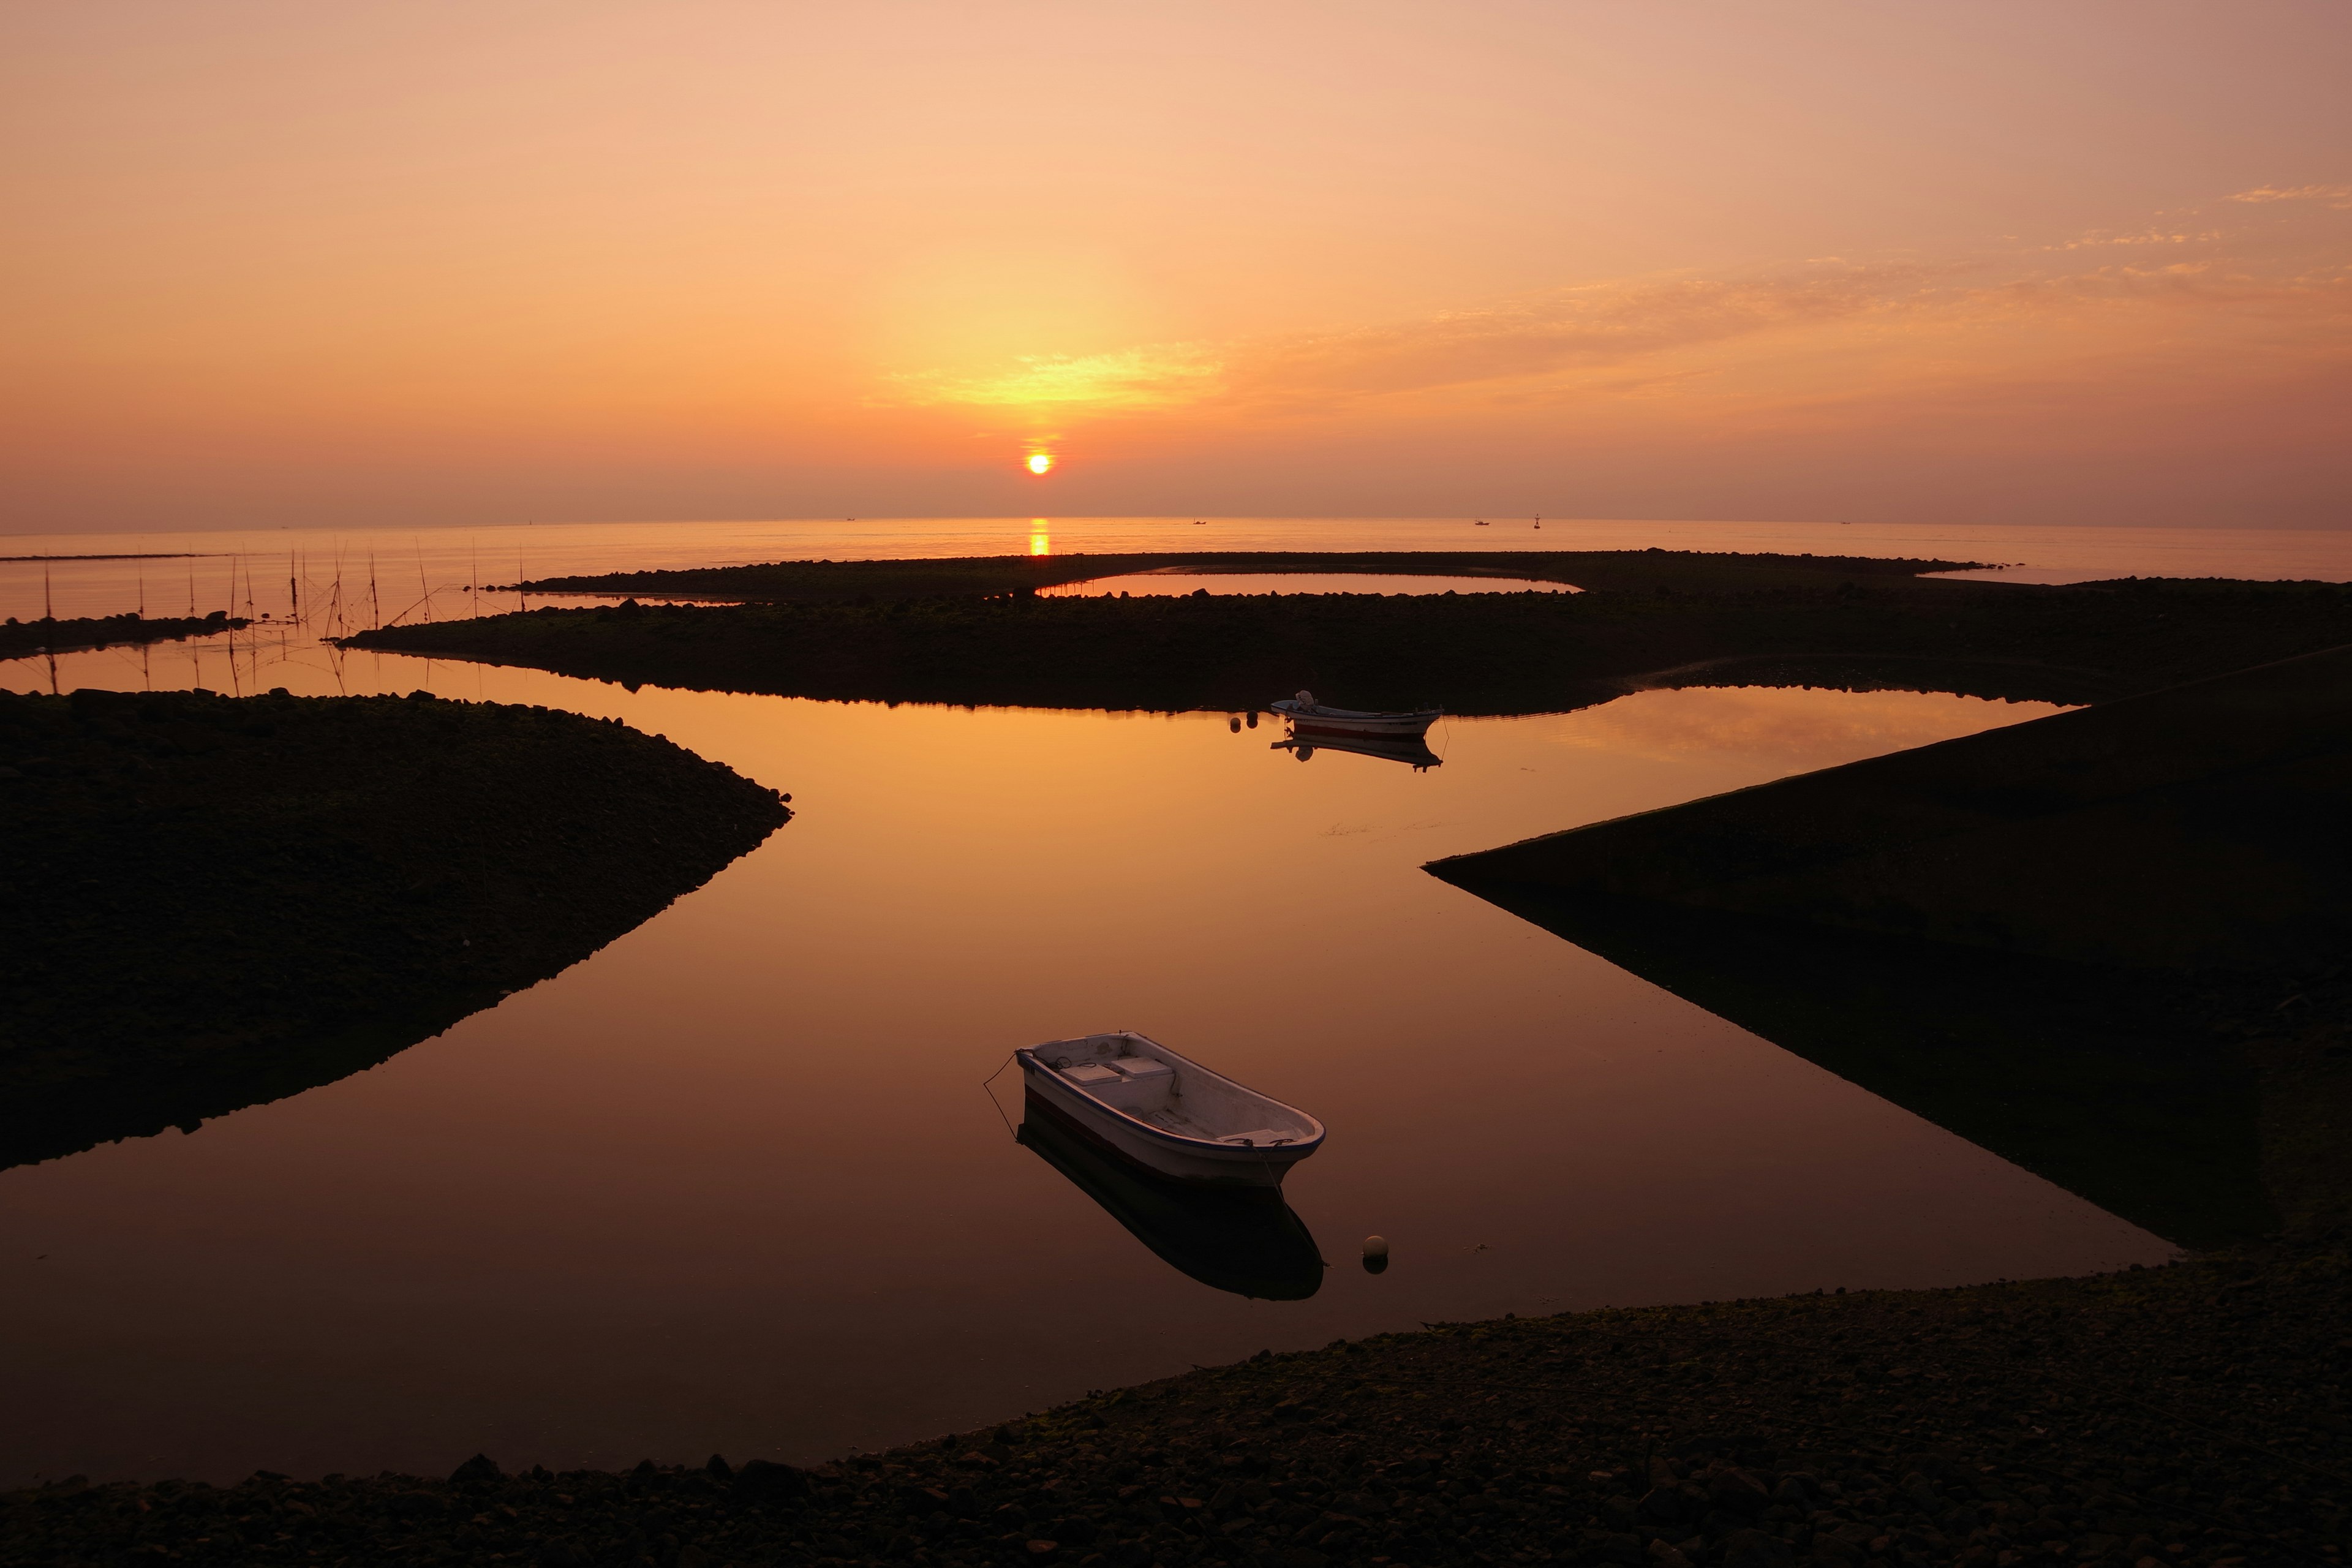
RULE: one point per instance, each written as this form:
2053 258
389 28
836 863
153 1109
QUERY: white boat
1165 1111
1308 717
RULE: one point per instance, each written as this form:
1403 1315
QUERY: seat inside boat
1132 1084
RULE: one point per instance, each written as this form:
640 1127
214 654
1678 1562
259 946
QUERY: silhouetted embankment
2108 944
2193 1415
217 901
975 576
22 639
1469 653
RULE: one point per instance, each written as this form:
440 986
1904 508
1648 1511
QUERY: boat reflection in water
1411 751
1242 1239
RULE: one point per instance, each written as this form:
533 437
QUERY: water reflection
2098 1080
530 1235
1413 751
1245 1240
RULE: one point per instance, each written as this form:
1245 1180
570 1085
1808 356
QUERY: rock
1666 1556
764 1480
1755 1548
1736 1491
480 1470
1043 1548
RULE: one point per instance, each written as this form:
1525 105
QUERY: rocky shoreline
2189 1414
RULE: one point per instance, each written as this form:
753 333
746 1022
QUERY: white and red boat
1146 1103
1308 717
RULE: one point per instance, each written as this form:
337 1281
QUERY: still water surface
383 575
733 1184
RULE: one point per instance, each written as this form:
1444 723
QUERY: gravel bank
2192 1415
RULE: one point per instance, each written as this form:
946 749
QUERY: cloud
1829 326
2100 238
1131 380
2336 196
1586 326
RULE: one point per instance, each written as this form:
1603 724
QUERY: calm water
372 574
733 1184
1165 583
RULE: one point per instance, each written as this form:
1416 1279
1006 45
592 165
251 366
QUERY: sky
277 263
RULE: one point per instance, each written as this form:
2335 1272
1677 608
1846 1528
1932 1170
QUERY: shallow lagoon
734 1184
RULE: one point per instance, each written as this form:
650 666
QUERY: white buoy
1376 1247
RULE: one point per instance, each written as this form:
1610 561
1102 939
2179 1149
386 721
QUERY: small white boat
1308 717
1146 1103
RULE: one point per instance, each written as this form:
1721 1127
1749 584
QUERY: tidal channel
734 1184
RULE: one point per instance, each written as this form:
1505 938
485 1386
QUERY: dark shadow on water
2104 1081
1413 753
1244 1240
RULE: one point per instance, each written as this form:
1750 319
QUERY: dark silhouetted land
1690 619
21 639
974 576
216 902
2110 945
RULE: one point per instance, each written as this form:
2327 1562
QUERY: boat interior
1143 1079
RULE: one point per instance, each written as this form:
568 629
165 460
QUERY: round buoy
1376 1247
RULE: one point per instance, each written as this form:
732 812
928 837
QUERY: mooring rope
986 1088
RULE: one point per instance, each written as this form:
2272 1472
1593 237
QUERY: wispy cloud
1587 326
2338 197
1131 380
1676 336
2099 238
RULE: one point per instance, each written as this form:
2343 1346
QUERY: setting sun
1040 461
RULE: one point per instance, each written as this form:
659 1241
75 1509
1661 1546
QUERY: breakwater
2196 827
23 639
2109 945
222 901
972 576
1700 622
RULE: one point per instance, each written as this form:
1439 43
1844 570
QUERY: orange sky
423 263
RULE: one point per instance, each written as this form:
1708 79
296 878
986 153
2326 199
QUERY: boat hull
1339 722
1178 1159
